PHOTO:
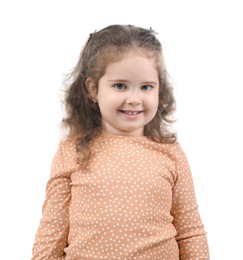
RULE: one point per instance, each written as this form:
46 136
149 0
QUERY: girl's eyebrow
150 83
119 80
127 81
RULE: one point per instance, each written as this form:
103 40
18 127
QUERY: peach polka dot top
134 200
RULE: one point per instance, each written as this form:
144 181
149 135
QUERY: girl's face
128 95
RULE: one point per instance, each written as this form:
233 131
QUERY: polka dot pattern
135 200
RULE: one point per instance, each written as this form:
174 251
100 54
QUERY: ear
91 88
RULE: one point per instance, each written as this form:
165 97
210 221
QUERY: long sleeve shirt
134 200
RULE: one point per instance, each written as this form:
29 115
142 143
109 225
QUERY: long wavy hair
83 117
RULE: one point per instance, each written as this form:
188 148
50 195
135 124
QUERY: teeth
131 113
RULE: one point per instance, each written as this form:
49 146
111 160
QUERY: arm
191 236
51 237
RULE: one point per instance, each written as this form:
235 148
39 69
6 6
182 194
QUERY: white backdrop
41 41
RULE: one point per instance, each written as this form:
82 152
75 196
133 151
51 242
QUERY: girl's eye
120 86
146 87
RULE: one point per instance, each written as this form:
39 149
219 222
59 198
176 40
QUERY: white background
40 42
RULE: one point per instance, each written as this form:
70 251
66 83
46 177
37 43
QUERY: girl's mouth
131 113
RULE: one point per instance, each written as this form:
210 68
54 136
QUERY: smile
127 112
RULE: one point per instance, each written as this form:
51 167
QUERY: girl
120 184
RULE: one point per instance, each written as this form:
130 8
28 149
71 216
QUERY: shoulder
179 157
176 150
65 158
173 151
67 146
67 149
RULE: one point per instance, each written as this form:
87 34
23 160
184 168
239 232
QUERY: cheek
154 100
109 98
101 97
107 102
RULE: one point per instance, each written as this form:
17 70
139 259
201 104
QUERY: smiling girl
120 184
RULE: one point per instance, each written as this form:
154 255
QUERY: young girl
120 184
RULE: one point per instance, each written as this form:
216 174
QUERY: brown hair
83 117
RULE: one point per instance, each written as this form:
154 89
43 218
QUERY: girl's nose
133 98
